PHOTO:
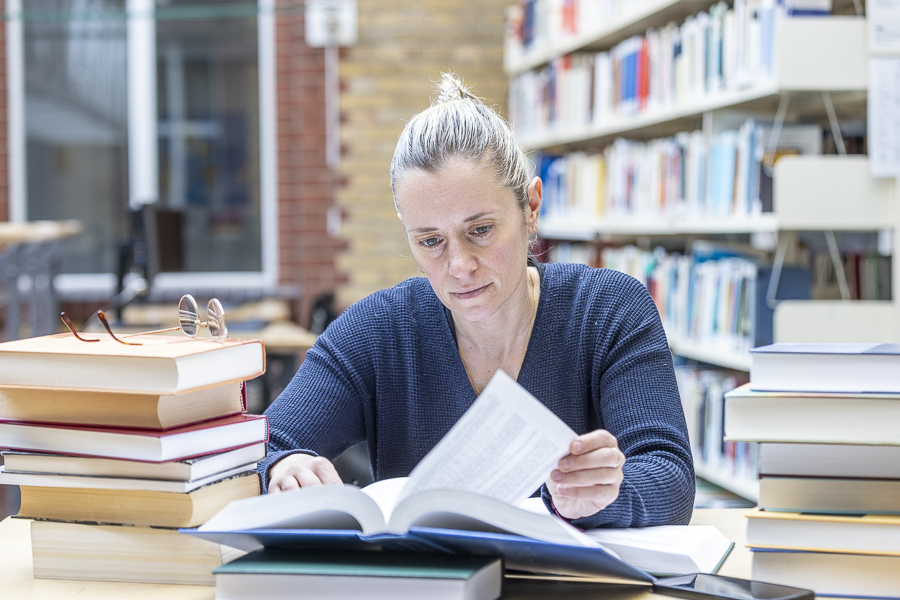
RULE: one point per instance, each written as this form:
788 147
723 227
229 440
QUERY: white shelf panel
811 55
744 488
714 355
605 35
813 321
831 192
587 228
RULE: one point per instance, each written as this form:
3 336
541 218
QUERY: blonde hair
459 124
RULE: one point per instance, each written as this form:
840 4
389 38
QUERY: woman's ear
535 191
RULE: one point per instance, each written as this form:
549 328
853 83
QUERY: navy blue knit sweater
388 371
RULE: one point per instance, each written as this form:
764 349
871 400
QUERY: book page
504 447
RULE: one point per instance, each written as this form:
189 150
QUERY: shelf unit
810 56
641 15
589 228
713 355
745 488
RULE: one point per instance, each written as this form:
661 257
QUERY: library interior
216 206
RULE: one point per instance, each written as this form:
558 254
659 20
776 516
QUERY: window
210 129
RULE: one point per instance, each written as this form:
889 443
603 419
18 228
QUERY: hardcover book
509 436
162 364
135 507
123 553
833 368
327 575
138 444
118 409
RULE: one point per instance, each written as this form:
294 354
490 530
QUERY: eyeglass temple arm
102 316
150 332
68 323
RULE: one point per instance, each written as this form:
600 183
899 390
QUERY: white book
189 469
831 574
115 483
826 368
602 87
811 417
871 461
866 534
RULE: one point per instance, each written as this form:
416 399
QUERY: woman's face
468 234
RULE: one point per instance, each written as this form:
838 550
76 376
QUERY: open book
469 495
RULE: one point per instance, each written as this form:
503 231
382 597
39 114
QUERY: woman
400 367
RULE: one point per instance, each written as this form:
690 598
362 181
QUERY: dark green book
327 574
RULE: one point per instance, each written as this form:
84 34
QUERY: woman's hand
588 478
301 470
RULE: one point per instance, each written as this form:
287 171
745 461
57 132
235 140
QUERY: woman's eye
483 229
431 242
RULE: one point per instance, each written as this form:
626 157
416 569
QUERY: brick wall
387 76
307 254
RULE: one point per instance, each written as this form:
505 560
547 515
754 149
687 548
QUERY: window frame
92 285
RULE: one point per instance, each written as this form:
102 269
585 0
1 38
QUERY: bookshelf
634 18
810 57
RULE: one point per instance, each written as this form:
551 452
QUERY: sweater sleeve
635 392
323 411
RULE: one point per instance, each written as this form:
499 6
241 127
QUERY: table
33 251
17 582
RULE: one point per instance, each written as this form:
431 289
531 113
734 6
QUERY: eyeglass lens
215 320
188 317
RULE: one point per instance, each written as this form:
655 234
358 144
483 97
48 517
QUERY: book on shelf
716 296
189 441
327 575
115 483
123 553
834 368
135 507
868 275
820 417
120 409
869 461
711 53
830 495
507 435
686 176
701 392
188 469
830 574
864 534
162 364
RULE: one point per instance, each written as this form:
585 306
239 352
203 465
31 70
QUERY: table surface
37 231
18 583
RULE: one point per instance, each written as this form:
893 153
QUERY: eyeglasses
188 322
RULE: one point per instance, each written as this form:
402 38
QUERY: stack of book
116 446
826 418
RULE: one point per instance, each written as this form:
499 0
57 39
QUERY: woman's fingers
595 459
301 470
588 477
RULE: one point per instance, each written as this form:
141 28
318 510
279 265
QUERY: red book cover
643 73
217 435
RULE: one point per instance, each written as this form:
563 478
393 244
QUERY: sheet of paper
883 17
504 447
884 116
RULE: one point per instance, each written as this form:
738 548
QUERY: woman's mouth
470 293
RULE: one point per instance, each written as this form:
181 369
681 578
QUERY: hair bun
451 87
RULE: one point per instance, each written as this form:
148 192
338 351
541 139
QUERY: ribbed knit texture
388 371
